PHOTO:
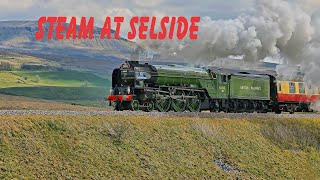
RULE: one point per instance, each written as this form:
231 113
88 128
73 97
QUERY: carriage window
292 87
279 87
302 89
311 90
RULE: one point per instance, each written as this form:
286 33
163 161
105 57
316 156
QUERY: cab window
213 75
292 87
223 79
302 89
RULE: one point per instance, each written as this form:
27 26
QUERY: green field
58 93
50 78
84 147
70 86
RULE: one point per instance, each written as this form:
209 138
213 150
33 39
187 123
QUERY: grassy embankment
180 148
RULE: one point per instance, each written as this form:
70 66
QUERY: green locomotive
180 88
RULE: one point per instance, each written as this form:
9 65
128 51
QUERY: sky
215 9
33 9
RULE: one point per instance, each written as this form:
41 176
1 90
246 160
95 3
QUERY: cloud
277 29
15 5
309 5
148 3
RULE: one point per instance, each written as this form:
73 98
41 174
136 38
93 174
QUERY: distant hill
96 55
20 36
73 71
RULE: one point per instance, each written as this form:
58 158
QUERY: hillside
78 147
96 55
71 80
68 86
20 35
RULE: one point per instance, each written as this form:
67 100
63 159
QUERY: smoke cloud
286 31
315 107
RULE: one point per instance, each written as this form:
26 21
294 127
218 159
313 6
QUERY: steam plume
287 31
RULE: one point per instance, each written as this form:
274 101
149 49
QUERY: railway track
158 114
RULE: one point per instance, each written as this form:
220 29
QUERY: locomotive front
127 79
142 86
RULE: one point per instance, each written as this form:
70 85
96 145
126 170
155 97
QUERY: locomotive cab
116 78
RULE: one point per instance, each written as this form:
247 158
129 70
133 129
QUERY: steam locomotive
179 88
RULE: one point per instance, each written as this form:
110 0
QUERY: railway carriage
296 96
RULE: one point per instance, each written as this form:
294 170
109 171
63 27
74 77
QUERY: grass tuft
292 135
204 129
116 132
55 126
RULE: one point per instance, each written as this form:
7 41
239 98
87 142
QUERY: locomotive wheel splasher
179 102
163 104
193 104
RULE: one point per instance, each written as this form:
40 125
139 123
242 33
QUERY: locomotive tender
178 88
